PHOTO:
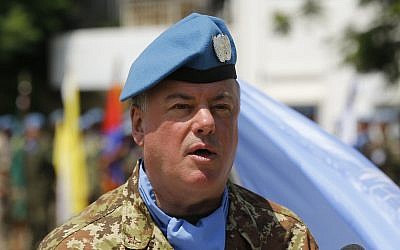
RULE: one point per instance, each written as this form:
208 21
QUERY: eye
181 106
222 107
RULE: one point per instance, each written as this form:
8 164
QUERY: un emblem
222 47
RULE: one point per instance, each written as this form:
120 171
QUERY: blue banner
340 195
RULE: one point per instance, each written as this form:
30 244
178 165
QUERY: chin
204 179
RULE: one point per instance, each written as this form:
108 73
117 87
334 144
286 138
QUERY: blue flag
340 195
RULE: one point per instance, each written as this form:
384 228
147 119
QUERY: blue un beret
198 48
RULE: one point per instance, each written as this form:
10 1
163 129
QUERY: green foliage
24 24
375 51
16 32
377 48
311 8
282 23
25 30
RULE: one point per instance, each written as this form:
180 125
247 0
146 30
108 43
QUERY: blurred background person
31 208
93 140
6 125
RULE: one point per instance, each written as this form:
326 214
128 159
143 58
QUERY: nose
204 123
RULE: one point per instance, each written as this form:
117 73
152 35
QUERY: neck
188 209
189 205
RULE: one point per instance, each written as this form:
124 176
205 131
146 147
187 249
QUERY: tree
377 49
26 28
373 49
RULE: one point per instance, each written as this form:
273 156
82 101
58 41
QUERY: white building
303 69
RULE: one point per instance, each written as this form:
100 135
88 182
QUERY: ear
137 125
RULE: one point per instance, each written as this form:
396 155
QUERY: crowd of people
28 177
378 139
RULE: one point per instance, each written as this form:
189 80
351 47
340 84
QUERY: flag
69 158
340 195
347 124
113 110
113 130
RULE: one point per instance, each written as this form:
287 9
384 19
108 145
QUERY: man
185 107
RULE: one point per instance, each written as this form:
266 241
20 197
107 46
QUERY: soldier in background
31 210
386 149
6 124
378 139
184 116
363 140
90 124
40 177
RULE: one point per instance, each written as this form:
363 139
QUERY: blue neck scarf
207 233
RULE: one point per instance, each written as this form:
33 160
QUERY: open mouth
203 153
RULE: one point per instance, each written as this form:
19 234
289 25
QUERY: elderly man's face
189 136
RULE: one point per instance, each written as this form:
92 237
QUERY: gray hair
140 101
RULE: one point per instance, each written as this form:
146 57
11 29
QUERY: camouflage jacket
120 220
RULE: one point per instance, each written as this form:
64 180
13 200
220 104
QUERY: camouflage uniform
120 220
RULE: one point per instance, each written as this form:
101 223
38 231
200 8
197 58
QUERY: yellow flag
69 158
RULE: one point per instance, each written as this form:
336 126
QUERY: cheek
229 131
164 139
228 139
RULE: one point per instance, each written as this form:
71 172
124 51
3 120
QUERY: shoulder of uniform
266 224
103 206
259 203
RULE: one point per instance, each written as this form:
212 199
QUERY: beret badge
222 47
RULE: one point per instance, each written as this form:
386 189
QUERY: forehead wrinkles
181 90
182 95
224 95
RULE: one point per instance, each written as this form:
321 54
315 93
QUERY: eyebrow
179 96
224 95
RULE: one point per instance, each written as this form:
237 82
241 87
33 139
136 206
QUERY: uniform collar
241 218
138 228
